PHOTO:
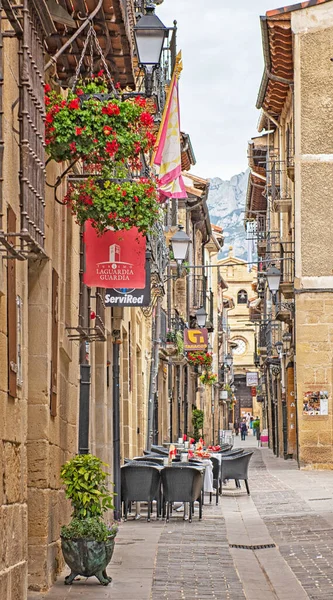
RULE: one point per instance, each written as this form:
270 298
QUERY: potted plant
96 126
200 359
208 378
87 542
120 204
179 358
171 342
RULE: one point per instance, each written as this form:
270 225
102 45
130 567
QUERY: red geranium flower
111 147
146 119
111 109
107 130
137 147
136 199
140 101
72 146
74 104
79 92
100 73
47 88
49 118
78 130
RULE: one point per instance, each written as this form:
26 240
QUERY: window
242 297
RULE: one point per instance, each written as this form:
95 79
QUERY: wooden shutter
54 342
11 309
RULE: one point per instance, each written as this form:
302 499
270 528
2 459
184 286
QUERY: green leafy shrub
120 205
84 479
91 528
197 422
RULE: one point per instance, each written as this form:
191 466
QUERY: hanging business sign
252 379
130 297
195 339
115 259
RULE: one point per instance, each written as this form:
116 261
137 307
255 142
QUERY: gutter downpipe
153 383
61 50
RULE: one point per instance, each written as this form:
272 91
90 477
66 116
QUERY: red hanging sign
115 259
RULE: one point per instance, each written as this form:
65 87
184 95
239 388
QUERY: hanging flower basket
203 359
120 205
96 126
208 378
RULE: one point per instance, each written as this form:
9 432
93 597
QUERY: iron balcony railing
269 333
282 256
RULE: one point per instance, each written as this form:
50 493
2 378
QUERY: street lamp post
201 317
149 35
273 279
180 243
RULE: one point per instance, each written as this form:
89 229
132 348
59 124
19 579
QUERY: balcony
282 256
278 186
284 311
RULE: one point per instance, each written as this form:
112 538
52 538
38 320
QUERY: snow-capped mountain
226 204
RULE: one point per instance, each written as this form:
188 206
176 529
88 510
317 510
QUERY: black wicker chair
157 460
236 467
182 484
140 482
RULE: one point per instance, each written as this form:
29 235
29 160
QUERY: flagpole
175 75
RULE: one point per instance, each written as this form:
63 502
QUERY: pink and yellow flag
168 154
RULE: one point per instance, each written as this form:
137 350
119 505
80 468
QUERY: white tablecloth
208 480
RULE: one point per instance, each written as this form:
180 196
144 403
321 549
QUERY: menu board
315 403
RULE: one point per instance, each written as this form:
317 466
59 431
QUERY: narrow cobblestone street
288 515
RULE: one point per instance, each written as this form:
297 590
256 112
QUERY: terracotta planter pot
87 558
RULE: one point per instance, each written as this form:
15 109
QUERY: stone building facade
240 283
40 291
291 169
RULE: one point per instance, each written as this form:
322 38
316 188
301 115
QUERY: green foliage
197 422
91 528
176 337
111 204
180 342
204 359
84 479
208 378
94 126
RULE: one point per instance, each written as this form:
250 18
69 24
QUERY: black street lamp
273 279
229 360
201 317
180 243
149 35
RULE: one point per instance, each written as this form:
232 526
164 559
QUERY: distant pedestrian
256 427
236 427
243 429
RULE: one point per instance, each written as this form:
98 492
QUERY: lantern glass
180 244
273 279
229 360
149 34
201 317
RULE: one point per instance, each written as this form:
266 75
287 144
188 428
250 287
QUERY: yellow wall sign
195 339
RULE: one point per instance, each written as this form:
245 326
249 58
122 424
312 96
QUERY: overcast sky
223 64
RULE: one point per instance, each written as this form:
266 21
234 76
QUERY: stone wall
313 216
